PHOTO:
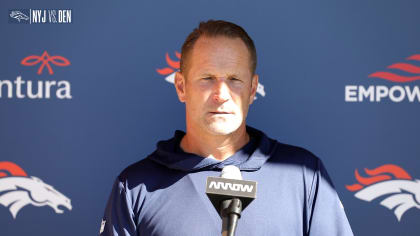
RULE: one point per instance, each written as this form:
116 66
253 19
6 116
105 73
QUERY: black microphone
229 194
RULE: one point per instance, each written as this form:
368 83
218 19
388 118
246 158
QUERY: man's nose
221 92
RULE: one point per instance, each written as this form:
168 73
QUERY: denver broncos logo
17 190
18 15
169 72
400 192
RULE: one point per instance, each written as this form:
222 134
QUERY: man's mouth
221 113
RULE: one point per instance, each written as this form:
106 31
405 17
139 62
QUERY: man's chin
222 129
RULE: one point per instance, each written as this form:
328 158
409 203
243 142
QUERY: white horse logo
18 15
400 192
18 190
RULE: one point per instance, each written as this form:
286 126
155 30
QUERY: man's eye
207 78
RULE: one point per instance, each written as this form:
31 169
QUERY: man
164 194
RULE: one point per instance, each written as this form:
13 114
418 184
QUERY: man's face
217 86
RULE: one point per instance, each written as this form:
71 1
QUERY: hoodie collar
249 158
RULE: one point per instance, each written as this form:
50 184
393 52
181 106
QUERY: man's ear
254 86
180 86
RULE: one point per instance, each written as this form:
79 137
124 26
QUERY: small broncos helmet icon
18 15
18 190
400 192
169 72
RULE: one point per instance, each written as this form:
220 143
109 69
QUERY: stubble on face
218 86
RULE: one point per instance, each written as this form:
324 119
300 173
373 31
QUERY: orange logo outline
45 58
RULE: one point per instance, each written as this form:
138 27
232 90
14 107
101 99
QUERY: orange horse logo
17 190
400 192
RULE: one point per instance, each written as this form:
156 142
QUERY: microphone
229 194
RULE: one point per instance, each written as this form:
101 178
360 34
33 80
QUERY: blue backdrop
110 101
